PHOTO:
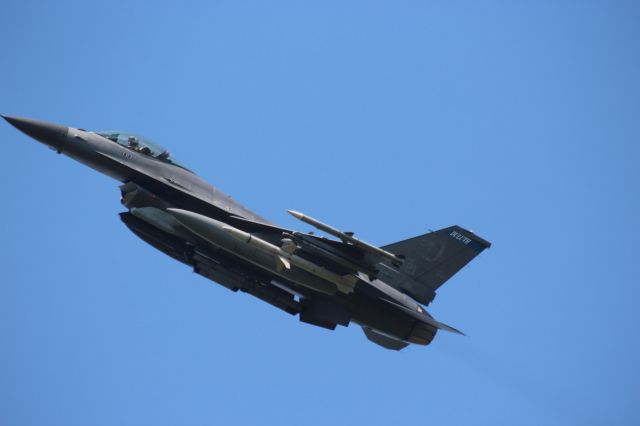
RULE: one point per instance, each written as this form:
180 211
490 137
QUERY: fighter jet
326 281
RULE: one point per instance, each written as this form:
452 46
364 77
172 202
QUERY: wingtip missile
296 214
347 237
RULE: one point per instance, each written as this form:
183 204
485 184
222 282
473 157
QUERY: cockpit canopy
142 145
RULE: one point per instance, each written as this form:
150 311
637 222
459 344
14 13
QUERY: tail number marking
458 236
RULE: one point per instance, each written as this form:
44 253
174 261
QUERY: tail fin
431 259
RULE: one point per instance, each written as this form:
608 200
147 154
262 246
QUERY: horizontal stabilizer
426 318
442 326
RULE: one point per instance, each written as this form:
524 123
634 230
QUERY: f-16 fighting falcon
326 281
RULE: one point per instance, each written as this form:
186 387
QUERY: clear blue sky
519 120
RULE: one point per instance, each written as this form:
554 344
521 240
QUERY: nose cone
51 134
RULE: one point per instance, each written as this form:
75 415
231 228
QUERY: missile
243 244
347 237
344 283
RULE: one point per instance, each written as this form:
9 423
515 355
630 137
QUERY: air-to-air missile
346 237
326 282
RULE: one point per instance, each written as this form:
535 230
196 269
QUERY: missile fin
283 262
347 284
